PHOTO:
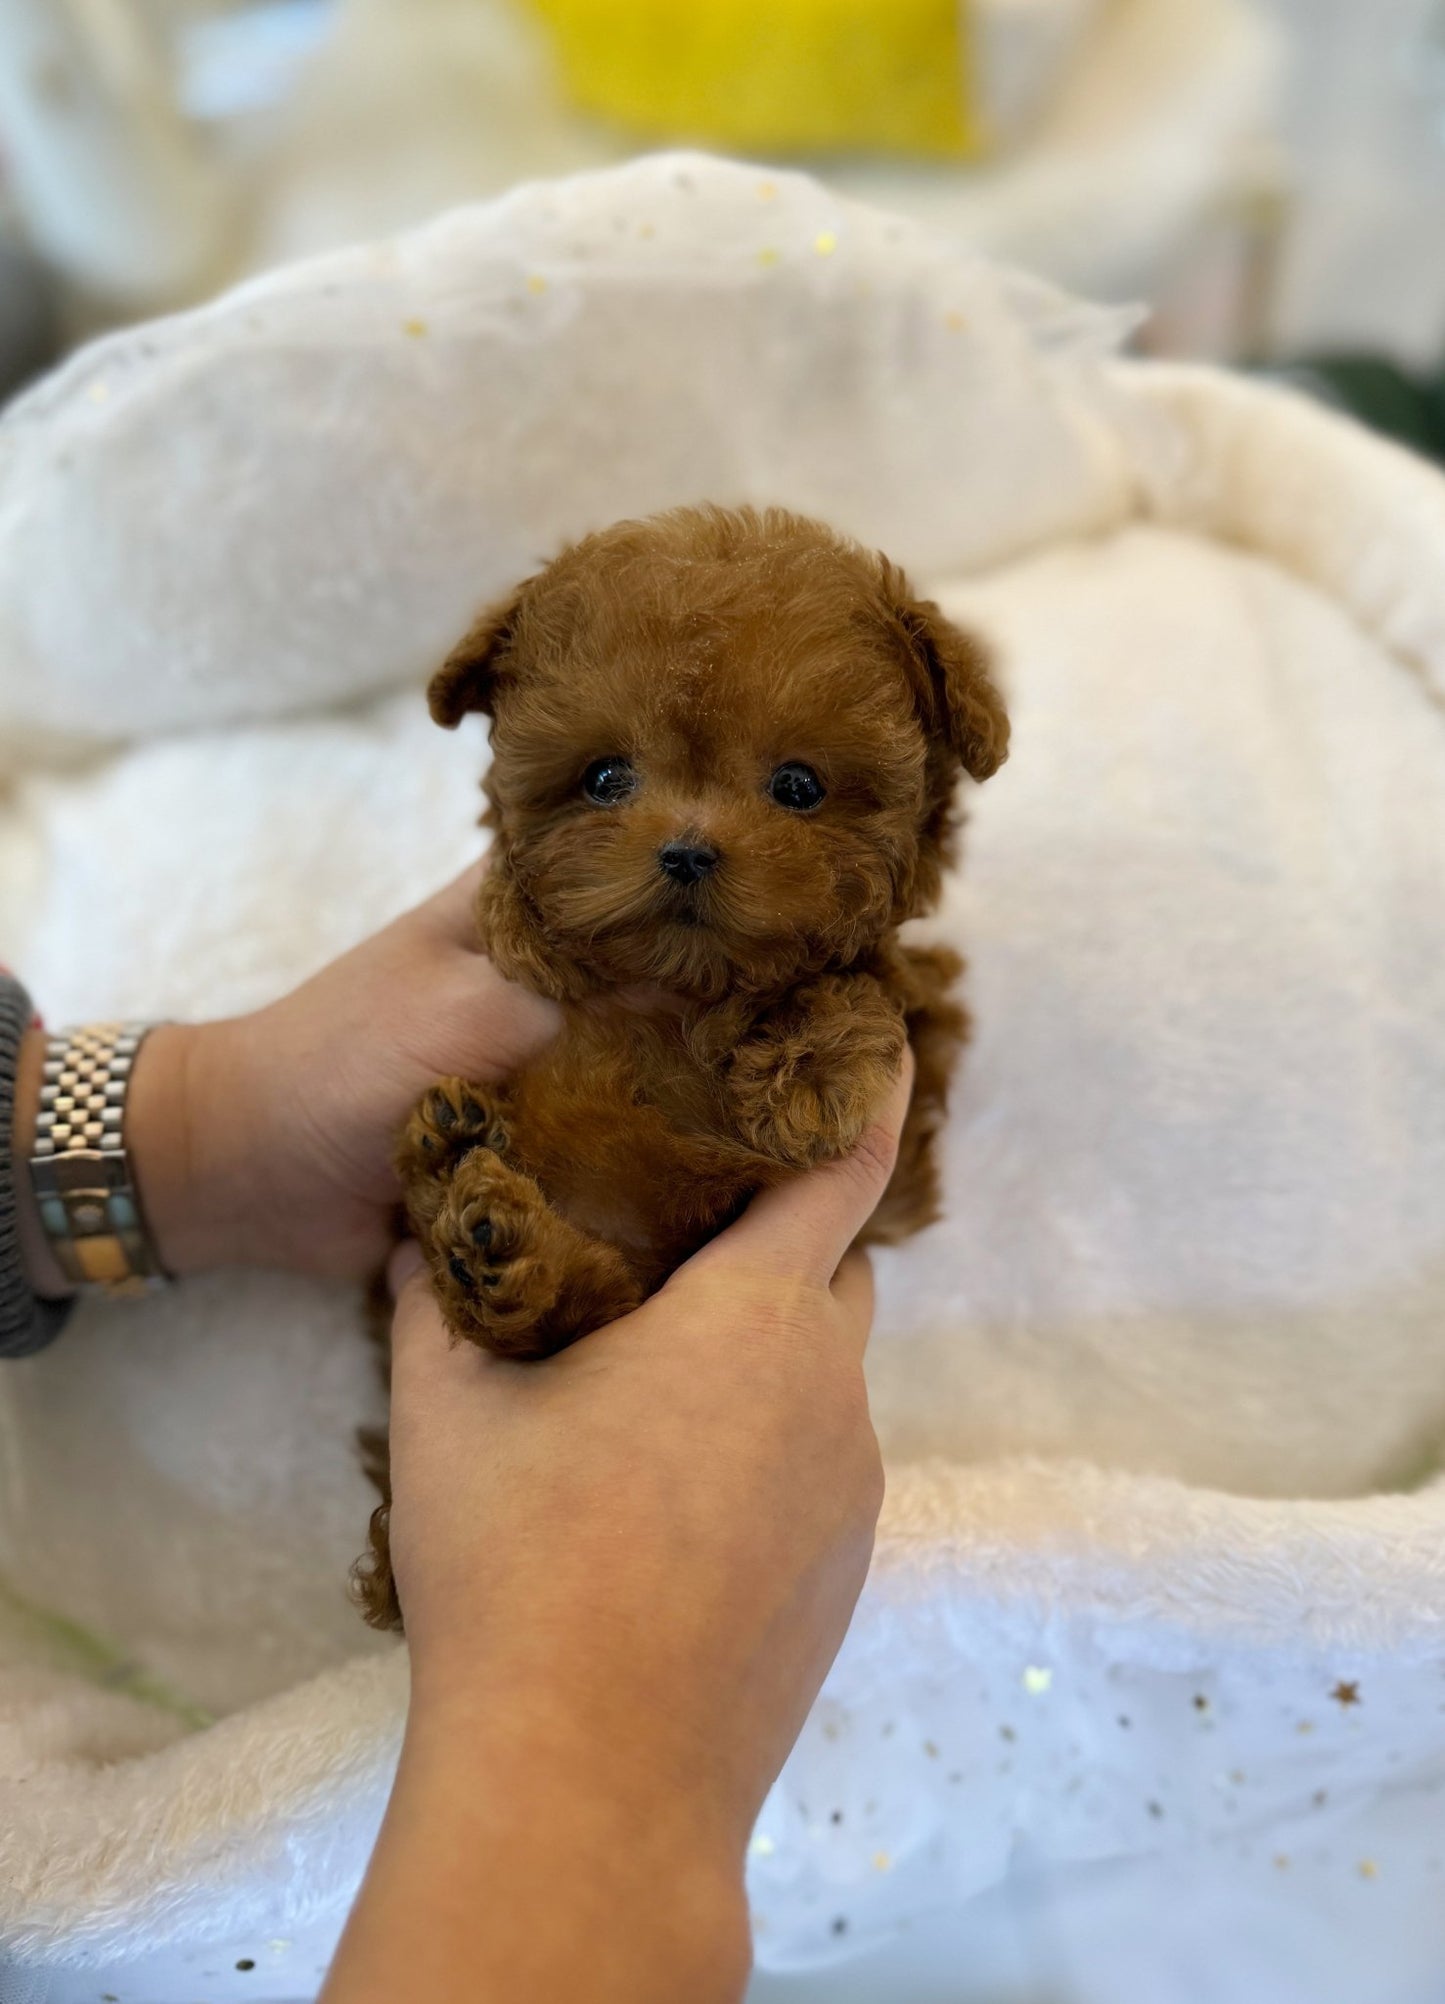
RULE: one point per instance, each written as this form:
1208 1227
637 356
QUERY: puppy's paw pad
490 1239
452 1120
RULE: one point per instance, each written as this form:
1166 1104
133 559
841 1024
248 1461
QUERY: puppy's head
725 747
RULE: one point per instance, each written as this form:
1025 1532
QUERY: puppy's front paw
808 1080
511 1273
486 1238
448 1123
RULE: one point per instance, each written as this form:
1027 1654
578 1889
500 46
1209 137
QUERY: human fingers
453 908
803 1227
472 1020
853 1293
405 1262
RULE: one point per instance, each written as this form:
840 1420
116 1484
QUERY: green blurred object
1407 407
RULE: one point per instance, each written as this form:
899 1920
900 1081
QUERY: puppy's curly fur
726 746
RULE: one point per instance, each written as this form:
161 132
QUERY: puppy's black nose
686 862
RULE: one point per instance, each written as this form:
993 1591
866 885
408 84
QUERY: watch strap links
83 1181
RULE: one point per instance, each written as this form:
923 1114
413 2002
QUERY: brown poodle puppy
725 752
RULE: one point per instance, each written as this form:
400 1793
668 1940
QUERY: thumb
453 909
803 1227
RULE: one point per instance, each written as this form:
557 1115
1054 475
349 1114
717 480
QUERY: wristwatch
81 1173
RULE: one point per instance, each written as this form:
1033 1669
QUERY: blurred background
1268 174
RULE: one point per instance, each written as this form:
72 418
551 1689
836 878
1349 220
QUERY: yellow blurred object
795 76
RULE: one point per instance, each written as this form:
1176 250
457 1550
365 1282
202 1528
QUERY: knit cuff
26 1323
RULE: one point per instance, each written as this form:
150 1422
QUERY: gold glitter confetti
646 230
1201 1703
1305 1726
954 322
1037 1680
767 256
1281 1862
762 1846
825 243
536 283
882 1862
416 328
1346 1695
767 191
930 1749
1369 1869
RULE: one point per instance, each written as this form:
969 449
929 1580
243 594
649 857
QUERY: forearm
520 1863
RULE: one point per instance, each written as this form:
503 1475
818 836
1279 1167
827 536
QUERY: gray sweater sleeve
26 1323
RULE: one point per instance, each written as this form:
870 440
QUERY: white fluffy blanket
1161 1562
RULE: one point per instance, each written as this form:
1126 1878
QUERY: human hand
267 1140
655 1540
625 1572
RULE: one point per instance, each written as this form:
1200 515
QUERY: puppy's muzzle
687 862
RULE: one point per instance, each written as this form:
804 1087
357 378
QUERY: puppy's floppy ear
956 696
967 710
467 679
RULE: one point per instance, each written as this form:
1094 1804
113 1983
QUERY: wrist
184 1115
553 1818
597 1727
644 1723
185 1135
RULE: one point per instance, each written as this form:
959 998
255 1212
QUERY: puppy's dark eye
797 787
608 780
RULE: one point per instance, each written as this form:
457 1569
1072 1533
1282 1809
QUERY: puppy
726 747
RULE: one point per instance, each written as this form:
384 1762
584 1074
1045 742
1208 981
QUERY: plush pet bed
1161 1573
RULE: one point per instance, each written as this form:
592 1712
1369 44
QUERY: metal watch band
78 1163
